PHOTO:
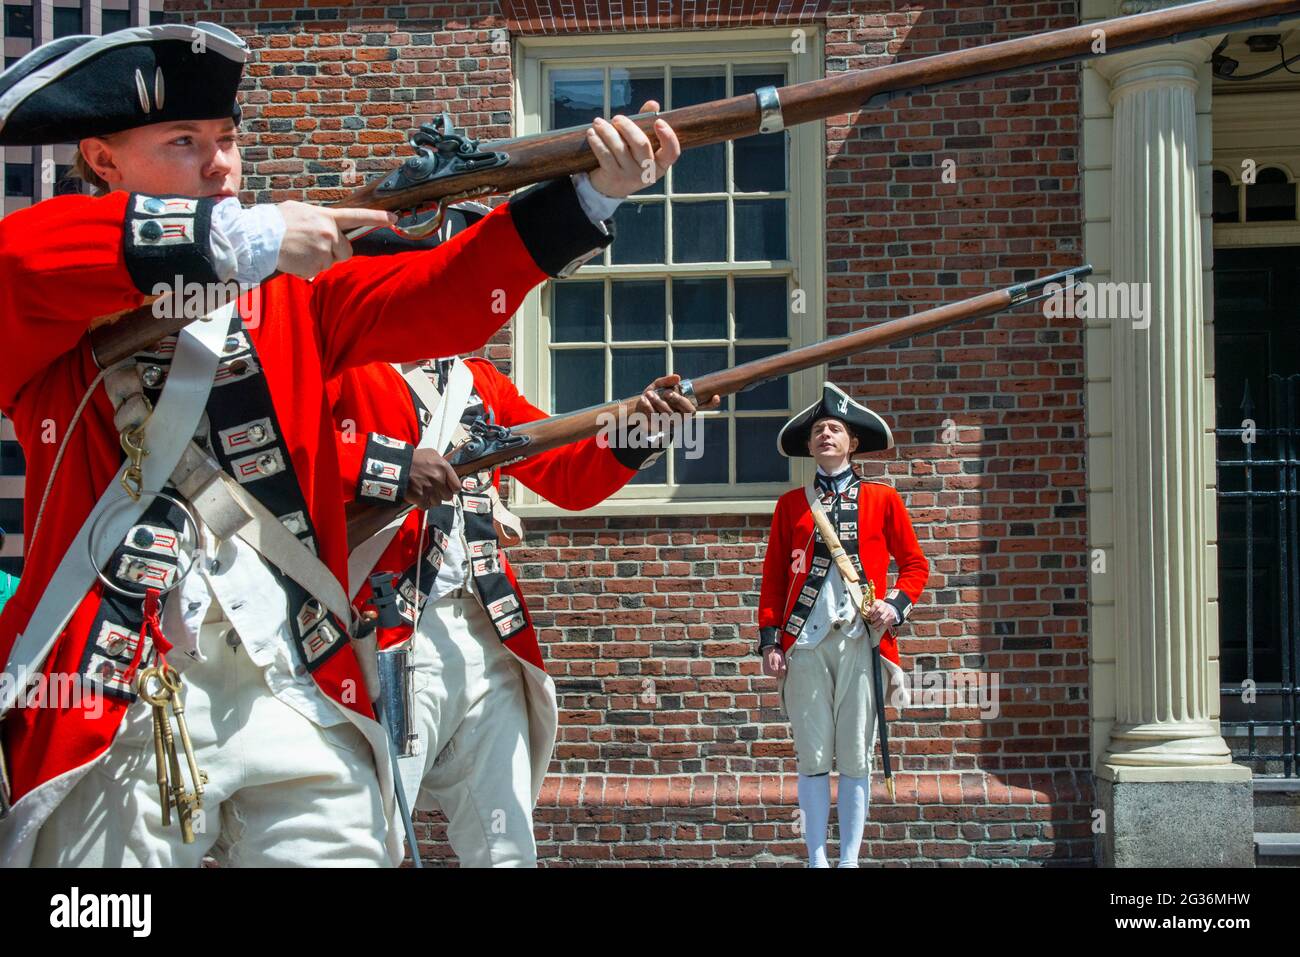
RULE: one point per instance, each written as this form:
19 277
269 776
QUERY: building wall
29 175
672 745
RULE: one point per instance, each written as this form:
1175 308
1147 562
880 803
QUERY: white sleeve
594 203
245 242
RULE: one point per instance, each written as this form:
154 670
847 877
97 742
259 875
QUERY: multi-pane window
18 21
112 20
67 21
699 278
12 461
1270 198
11 516
20 179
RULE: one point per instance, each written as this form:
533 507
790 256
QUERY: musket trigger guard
191 523
424 228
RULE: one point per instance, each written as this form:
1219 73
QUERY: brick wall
672 747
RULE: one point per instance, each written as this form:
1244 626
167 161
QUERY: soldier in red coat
229 448
812 635
483 711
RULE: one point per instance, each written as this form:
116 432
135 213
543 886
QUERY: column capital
1162 65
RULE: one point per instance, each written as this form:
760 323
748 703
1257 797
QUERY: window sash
805 238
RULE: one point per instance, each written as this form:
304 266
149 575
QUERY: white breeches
471 714
282 790
828 696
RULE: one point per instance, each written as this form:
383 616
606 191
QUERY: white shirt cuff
246 242
594 203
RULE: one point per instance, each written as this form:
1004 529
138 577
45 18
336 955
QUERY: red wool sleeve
437 302
575 476
777 568
61 266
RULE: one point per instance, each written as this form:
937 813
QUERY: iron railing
1259 580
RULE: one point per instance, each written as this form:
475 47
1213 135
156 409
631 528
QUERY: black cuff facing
768 637
555 229
166 237
643 454
385 470
902 604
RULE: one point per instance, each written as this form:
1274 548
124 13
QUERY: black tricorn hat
870 429
80 86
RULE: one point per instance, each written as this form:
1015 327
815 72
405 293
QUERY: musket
490 445
449 166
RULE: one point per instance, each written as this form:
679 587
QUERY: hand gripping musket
492 446
448 166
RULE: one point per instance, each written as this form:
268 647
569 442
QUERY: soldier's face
191 158
831 441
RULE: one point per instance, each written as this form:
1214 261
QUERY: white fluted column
1162 646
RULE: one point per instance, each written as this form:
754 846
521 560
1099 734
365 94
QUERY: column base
1190 822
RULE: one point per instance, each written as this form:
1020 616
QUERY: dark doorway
1257 424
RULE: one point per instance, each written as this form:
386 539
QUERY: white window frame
807 200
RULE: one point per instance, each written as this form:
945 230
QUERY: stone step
1273 849
1277 805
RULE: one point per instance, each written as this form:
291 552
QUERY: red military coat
884 529
62 264
376 399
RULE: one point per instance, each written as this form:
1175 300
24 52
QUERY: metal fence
1259 578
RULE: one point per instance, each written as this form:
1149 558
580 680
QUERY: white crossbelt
226 510
167 432
447 408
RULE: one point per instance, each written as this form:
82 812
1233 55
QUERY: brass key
171 783
158 702
186 802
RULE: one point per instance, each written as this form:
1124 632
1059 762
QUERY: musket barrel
546 155
546 434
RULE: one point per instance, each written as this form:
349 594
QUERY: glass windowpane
640 229
577 379
761 307
757 459
700 308
760 230
637 310
700 232
67 21
634 369
760 161
112 20
578 312
577 97
707 461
